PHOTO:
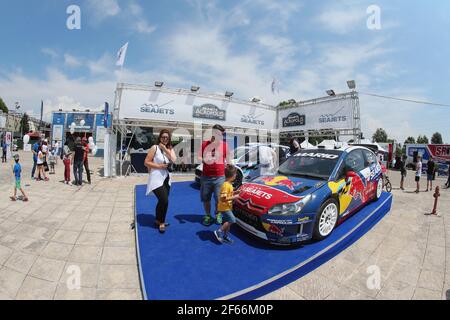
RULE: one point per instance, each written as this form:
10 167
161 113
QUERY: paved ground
64 229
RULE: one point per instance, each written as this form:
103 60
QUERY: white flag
121 55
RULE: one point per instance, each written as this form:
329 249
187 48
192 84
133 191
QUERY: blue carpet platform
187 263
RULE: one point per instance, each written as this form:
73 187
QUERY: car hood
262 193
295 186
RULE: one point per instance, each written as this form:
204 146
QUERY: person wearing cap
17 170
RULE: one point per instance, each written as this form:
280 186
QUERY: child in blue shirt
17 173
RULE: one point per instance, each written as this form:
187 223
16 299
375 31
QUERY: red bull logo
273 229
280 181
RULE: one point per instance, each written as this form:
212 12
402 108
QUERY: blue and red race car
312 193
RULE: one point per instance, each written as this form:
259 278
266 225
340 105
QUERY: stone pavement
64 230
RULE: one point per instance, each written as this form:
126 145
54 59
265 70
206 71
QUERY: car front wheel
326 220
379 189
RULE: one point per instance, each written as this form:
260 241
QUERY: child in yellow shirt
225 206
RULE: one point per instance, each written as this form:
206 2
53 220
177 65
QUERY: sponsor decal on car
280 181
318 155
254 190
277 221
273 229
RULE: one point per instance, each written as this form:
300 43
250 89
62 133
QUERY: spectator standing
227 195
214 154
67 160
159 160
17 170
40 165
35 151
52 161
403 172
431 173
86 159
418 173
4 151
78 162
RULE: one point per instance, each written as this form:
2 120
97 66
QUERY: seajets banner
331 114
187 107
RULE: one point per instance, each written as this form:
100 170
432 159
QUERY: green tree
422 140
437 138
410 140
25 124
3 106
290 102
380 136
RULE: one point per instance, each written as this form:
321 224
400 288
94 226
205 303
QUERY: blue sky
310 46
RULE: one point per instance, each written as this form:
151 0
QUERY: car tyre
326 220
379 190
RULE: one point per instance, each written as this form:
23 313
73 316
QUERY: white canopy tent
306 145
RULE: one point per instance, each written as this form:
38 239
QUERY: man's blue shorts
210 185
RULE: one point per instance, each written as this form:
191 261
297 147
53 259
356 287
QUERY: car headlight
290 208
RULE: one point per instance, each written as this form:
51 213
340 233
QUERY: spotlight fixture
351 84
159 84
256 100
195 89
229 94
331 93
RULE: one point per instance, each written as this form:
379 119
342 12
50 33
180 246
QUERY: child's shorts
18 185
228 216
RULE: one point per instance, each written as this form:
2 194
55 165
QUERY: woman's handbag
168 162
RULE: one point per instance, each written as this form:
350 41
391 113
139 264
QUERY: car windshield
239 153
317 164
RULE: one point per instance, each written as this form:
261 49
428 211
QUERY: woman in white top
158 160
40 165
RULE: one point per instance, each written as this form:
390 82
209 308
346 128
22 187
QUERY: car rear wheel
326 220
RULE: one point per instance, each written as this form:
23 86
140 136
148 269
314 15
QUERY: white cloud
105 65
131 14
50 52
143 26
57 90
342 19
103 9
71 61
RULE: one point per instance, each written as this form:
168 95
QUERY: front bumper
285 232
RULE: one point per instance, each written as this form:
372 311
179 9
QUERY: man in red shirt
214 156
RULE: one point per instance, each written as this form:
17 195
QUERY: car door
357 176
374 172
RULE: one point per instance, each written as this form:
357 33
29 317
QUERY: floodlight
351 84
159 84
331 93
229 94
195 88
256 100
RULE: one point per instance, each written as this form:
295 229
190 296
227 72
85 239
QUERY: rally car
313 192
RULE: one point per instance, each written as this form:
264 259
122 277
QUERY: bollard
436 196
